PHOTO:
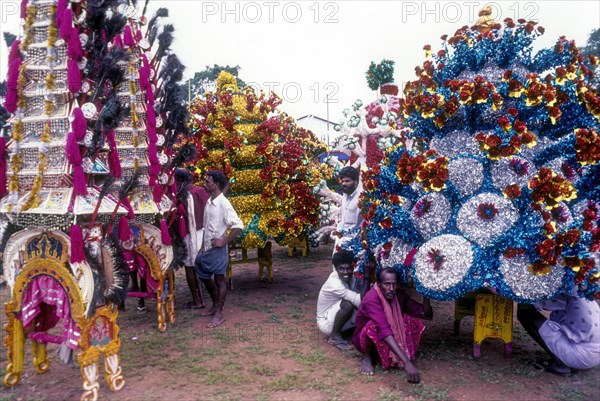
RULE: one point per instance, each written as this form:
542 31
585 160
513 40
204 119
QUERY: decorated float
503 193
85 149
270 161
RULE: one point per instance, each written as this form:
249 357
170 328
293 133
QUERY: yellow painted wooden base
493 319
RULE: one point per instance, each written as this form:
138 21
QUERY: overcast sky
308 50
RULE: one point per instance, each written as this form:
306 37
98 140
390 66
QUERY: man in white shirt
337 302
351 220
213 258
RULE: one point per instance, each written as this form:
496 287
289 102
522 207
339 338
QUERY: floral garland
503 193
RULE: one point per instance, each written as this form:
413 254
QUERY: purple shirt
371 309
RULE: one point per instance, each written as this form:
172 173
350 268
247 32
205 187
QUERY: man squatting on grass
219 216
388 328
337 303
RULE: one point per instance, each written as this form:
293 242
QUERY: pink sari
407 332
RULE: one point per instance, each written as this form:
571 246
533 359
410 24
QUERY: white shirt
219 216
332 291
350 212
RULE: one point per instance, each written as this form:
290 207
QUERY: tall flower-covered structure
269 160
76 207
504 192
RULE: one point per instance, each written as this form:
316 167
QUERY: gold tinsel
246 156
48 107
31 12
45 137
247 181
52 31
18 131
16 164
252 241
265 218
50 81
22 102
33 200
134 116
248 203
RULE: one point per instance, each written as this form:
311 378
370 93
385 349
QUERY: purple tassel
66 24
124 231
138 35
144 76
74 49
128 39
152 134
157 193
3 190
73 76
164 233
10 101
118 42
24 8
79 124
77 253
127 205
72 150
12 77
79 187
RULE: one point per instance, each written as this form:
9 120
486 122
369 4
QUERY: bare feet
209 312
366 366
216 321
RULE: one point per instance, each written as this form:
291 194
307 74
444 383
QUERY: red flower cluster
512 191
510 253
587 146
550 188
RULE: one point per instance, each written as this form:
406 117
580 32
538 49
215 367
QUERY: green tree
205 80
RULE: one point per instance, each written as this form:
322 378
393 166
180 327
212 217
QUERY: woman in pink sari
388 328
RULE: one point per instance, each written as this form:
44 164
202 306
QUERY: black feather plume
114 25
172 71
165 39
186 153
95 143
105 188
117 292
129 185
179 250
99 281
160 13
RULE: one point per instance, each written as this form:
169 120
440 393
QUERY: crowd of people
383 321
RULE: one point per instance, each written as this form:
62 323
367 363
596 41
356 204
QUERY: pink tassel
144 76
14 52
24 8
10 100
60 9
152 134
3 190
164 233
72 150
157 193
79 124
12 77
66 24
74 49
124 231
73 76
154 169
114 164
151 117
79 187
118 42
138 35
77 252
150 95
128 39
127 205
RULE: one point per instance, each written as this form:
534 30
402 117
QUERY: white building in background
321 127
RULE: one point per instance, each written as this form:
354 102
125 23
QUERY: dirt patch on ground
270 349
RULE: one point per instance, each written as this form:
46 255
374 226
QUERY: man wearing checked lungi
212 260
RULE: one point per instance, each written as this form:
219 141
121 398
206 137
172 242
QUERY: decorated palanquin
504 191
269 160
84 179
